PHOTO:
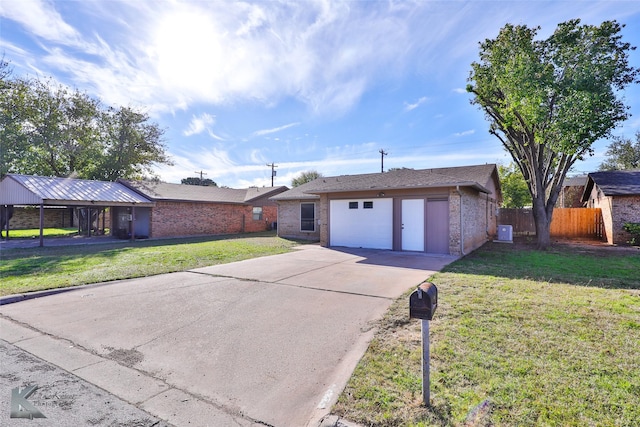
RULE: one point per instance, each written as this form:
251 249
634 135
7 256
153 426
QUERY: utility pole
382 154
273 171
201 173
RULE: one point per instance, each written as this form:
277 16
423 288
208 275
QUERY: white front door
413 225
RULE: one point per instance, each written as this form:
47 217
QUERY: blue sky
320 85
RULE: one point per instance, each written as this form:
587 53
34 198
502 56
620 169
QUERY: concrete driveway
267 341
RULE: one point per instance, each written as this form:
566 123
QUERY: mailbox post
422 304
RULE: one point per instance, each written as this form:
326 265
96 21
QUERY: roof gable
255 193
614 183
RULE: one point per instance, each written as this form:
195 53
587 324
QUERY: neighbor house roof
476 177
575 181
162 191
613 183
16 189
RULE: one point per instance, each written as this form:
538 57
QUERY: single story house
617 194
137 209
441 211
184 210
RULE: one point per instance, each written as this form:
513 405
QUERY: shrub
633 228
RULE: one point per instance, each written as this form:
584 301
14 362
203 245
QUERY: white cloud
325 54
460 90
200 124
465 133
409 107
274 130
40 18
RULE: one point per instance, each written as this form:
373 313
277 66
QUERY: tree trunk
543 224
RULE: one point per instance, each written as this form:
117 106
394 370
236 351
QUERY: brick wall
478 220
29 217
289 221
54 217
625 209
172 219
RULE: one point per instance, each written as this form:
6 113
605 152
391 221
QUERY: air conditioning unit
505 233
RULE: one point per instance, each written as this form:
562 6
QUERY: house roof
575 181
254 193
613 183
476 177
16 189
162 191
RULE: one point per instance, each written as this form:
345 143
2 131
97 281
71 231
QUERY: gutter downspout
461 222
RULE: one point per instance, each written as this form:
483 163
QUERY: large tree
515 193
549 100
52 130
131 145
622 154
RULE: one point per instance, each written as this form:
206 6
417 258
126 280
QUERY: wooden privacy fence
566 222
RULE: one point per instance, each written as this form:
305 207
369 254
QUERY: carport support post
133 223
425 363
41 224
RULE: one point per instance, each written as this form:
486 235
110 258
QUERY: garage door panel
362 228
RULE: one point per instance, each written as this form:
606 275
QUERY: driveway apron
267 341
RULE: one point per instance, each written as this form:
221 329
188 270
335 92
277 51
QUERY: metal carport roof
16 189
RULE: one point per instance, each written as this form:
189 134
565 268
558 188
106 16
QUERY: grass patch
26 270
520 337
33 233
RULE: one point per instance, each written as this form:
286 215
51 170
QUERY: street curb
336 421
10 299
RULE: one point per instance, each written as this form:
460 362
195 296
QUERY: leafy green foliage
633 228
51 130
305 177
515 192
622 154
198 181
549 100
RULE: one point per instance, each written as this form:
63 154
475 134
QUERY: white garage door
362 223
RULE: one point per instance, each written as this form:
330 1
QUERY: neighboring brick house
188 210
444 210
571 193
617 194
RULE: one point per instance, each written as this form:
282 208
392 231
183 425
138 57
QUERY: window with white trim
257 213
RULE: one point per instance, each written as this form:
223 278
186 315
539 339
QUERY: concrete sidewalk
266 341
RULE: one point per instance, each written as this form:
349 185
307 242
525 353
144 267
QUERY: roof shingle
477 177
615 183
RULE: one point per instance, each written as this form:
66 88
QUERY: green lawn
26 270
46 232
520 337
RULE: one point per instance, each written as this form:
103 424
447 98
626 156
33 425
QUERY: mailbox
423 301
